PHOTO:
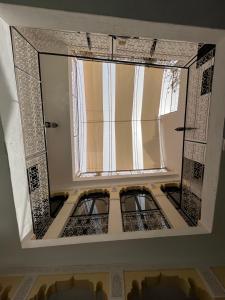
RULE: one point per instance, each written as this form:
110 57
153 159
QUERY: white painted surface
115 218
172 141
214 140
10 116
55 85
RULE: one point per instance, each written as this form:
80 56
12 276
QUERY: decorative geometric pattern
177 51
30 102
31 113
192 182
195 151
39 196
139 221
86 225
199 95
33 178
207 78
191 205
173 193
145 50
201 119
25 56
197 113
193 175
198 170
205 53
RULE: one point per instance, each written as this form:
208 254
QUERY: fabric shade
121 116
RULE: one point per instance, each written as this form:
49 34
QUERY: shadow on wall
12 133
7 209
71 290
167 288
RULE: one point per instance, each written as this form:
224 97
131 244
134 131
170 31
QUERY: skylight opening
116 127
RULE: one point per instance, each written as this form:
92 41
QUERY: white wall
55 84
172 141
10 116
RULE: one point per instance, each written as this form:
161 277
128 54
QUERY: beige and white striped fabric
117 107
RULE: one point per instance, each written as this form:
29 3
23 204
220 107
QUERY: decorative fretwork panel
193 173
199 95
100 46
197 114
193 92
136 49
25 56
31 113
54 41
206 52
39 195
139 221
195 151
33 178
86 225
207 77
191 205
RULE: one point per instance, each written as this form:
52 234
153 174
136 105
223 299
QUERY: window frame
85 196
140 213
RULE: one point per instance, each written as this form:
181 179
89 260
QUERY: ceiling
204 13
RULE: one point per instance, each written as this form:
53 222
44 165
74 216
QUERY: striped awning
116 111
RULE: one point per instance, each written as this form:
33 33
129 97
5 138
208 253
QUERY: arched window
140 211
90 215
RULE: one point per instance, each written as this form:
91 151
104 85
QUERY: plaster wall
172 141
12 134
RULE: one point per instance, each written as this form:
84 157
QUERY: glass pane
137 201
146 202
129 203
83 208
100 206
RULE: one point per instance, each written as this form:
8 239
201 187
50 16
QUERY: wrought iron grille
190 206
86 225
145 220
90 215
140 211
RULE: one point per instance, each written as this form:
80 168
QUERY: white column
115 218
